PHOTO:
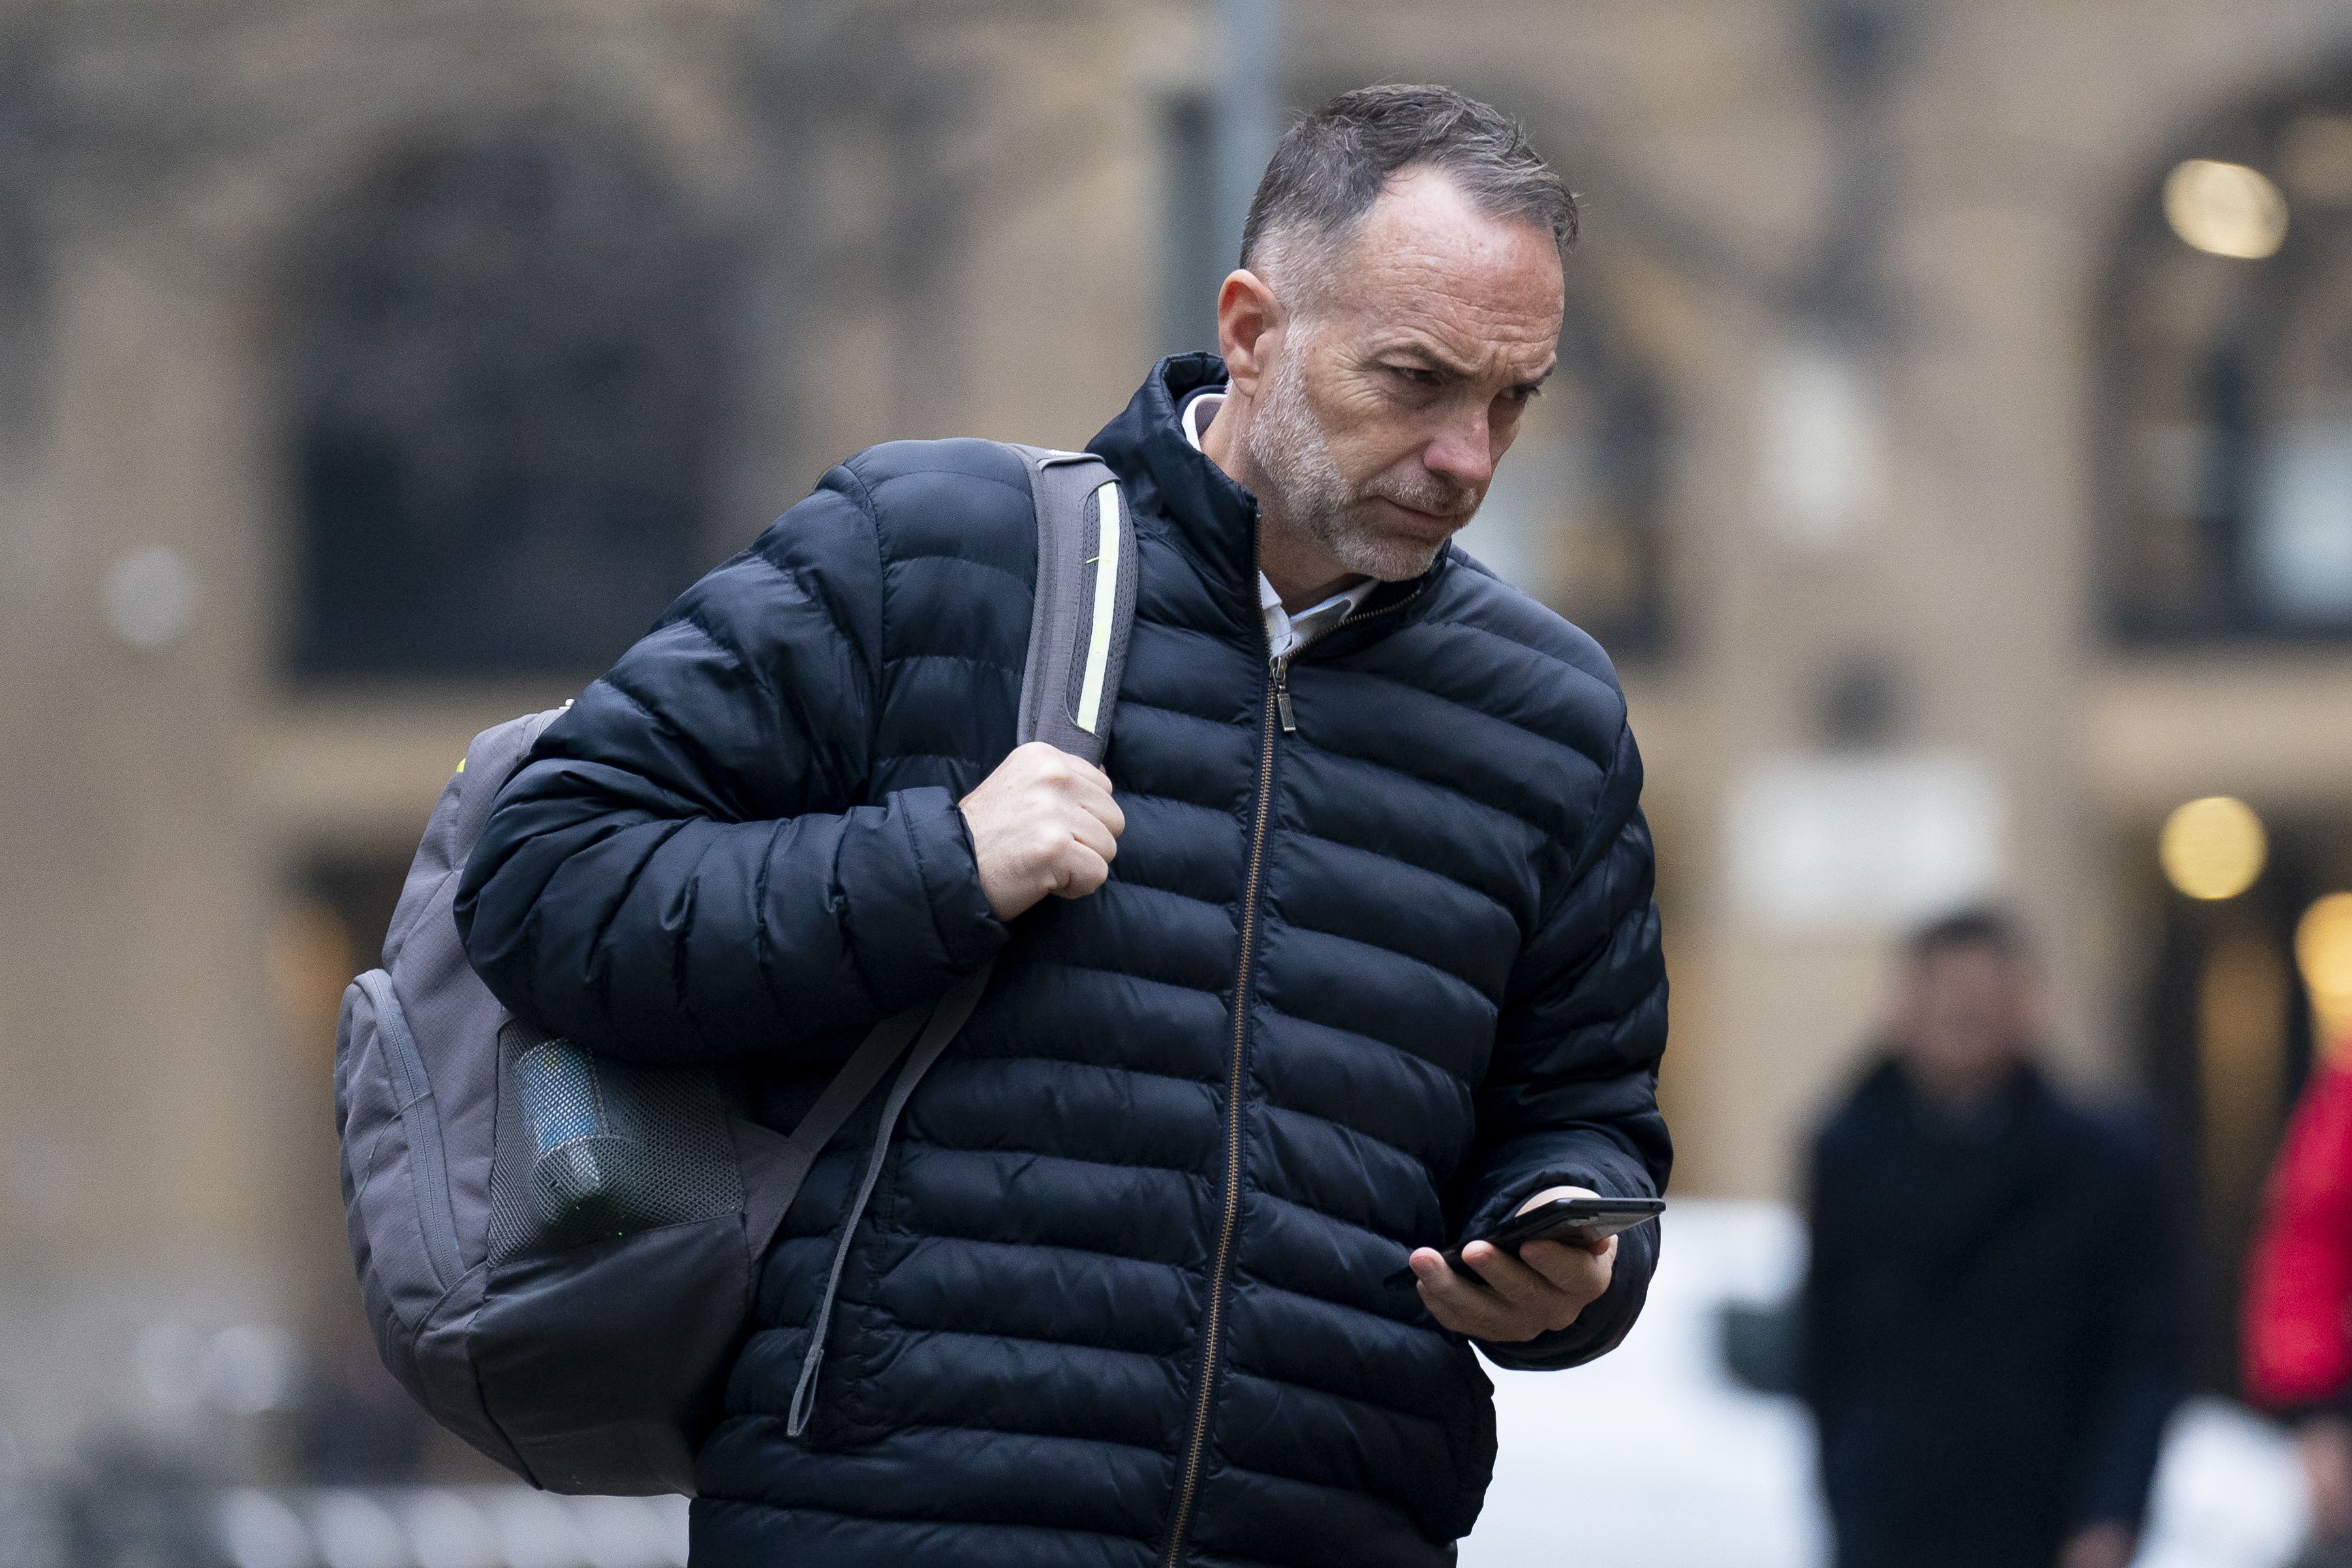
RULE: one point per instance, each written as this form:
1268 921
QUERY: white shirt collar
1285 634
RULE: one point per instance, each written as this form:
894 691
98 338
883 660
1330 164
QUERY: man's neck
1961 1096
1303 576
1303 572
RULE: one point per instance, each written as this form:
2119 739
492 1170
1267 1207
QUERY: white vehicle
1653 1457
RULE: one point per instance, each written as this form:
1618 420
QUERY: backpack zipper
420 1123
1188 1488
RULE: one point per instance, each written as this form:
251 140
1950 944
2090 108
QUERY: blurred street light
2212 848
2323 951
2225 209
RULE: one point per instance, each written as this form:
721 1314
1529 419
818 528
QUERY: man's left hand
1504 1299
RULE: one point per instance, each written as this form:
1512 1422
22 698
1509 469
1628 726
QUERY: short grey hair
1333 164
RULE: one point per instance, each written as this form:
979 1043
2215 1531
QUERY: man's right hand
1043 822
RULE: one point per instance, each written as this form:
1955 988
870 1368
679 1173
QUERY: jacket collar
1213 519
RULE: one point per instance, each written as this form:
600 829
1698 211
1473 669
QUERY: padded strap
1084 603
1080 617
947 1020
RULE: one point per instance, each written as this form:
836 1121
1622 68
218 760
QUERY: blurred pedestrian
2298 1305
1378 968
1994 1321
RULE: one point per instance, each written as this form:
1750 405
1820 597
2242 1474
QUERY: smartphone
1579 1221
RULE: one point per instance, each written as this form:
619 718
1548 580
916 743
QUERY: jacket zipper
1361 616
1277 708
1281 662
1277 699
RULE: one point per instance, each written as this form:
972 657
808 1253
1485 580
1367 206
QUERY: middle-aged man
1377 967
1994 1319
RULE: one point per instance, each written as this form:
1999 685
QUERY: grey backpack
559 1252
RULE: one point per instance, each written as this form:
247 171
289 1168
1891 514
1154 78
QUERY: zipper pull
1282 693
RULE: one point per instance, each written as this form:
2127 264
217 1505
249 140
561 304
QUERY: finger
1454 1298
1039 758
1550 1193
1579 1273
1083 871
1092 774
1070 769
1096 836
1460 1305
1523 1289
1104 808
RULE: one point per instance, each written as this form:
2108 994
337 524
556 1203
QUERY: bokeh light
2323 951
2225 209
2212 848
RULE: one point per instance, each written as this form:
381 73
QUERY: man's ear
1248 315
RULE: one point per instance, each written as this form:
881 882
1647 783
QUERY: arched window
507 368
2227 383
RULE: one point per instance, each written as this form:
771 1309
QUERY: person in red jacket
2298 1307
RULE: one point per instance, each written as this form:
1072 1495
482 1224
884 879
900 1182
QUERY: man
1993 1321
1377 967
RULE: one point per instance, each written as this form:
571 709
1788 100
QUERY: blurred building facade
1961 486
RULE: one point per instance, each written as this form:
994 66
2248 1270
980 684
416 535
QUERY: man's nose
1462 452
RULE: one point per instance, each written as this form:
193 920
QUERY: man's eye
1417 375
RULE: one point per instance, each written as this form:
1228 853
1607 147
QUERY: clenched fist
1043 822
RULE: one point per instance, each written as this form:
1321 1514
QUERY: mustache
1428 494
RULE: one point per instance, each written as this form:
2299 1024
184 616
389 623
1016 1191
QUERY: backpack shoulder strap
1084 605
1079 627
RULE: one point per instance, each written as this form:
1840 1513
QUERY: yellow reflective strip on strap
1090 691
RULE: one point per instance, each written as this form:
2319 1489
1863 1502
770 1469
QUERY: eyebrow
1429 359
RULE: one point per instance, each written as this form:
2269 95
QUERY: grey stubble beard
1291 449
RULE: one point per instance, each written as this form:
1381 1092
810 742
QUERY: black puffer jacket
1123 1280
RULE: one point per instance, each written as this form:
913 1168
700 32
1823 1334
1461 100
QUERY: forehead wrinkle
1528 353
1493 363
1453 321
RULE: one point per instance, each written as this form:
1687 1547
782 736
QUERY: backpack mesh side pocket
589 1149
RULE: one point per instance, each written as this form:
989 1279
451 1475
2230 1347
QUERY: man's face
1969 1013
1399 386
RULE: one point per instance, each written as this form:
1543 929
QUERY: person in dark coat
1350 954
1995 1334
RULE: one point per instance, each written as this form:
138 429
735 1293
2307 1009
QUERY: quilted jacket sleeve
1571 1099
689 868
2298 1350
